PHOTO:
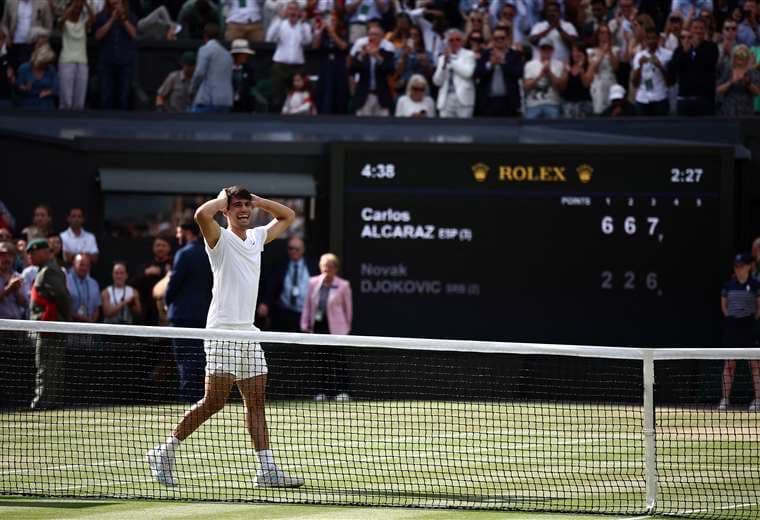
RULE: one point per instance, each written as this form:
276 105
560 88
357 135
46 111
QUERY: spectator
416 102
359 44
12 298
748 29
84 290
56 248
740 304
475 43
212 79
20 19
299 100
243 77
635 41
42 223
115 29
673 27
291 36
175 94
621 25
432 23
454 77
37 81
413 59
77 20
619 104
22 259
727 44
6 236
373 65
498 73
650 77
77 240
688 8
477 22
121 302
7 220
738 85
513 16
693 66
158 25
328 310
599 17
49 301
544 79
561 33
577 95
330 40
244 20
149 275
196 15
275 9
359 12
400 34
188 296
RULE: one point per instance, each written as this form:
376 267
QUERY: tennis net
384 421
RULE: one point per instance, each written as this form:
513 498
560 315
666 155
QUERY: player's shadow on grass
56 504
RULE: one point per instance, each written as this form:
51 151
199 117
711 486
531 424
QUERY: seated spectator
291 36
12 299
373 65
650 77
78 19
195 15
121 302
158 25
115 29
738 85
561 33
174 94
416 102
331 42
454 78
37 81
498 73
243 77
84 291
359 12
619 104
544 80
693 67
413 59
76 239
748 28
244 20
21 18
212 79
299 100
42 223
577 95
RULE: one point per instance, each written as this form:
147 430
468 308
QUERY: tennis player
235 255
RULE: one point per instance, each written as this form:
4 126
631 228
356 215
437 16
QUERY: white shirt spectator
243 11
74 244
361 42
273 8
434 42
653 86
324 6
407 107
561 51
544 93
24 23
290 40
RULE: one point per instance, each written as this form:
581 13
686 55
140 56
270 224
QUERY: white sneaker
343 396
320 397
754 406
723 406
276 478
161 464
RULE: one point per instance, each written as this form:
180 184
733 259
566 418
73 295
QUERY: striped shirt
741 298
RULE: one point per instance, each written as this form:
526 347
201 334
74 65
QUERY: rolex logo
585 172
480 172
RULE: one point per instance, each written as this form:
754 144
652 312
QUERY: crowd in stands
408 58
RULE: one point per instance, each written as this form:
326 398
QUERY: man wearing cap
12 299
561 33
243 77
212 79
49 302
544 80
174 95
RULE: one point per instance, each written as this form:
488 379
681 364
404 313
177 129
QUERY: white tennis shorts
241 359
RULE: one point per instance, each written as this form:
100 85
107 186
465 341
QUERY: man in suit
188 296
373 64
212 79
498 71
21 20
454 77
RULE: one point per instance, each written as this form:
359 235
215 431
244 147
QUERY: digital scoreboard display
567 244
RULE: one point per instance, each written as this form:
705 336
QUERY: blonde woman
37 80
417 101
739 84
603 63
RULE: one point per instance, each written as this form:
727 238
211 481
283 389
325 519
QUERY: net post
650 455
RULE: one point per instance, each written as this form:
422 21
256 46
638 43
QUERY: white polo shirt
653 87
561 50
83 243
243 11
236 266
290 40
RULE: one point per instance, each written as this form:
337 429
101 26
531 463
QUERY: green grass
514 456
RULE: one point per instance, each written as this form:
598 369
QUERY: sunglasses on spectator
729 28
418 88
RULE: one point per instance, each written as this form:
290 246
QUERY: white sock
171 444
267 459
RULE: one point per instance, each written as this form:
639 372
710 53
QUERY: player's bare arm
283 217
204 216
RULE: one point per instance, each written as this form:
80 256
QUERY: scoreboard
611 245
